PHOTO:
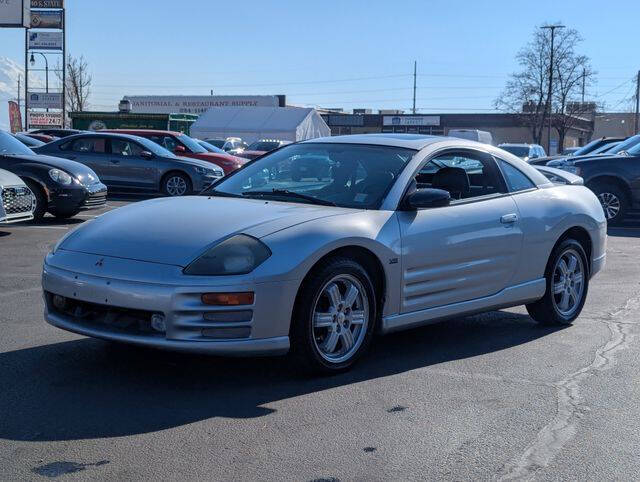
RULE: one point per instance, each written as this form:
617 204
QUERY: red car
40 137
183 145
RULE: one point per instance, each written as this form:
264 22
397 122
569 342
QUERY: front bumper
74 198
102 304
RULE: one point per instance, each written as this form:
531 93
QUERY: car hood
9 179
576 159
78 170
216 158
176 230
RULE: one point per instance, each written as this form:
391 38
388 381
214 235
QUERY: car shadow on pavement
89 388
625 232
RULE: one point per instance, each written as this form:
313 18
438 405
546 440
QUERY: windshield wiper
214 192
292 194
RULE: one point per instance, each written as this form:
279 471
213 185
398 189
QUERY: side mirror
427 198
179 150
146 154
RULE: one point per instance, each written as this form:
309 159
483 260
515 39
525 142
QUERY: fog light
157 323
228 299
60 302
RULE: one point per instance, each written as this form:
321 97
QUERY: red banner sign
15 118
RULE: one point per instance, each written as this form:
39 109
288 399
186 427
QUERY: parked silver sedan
128 163
404 230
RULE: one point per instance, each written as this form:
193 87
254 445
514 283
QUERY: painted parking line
36 227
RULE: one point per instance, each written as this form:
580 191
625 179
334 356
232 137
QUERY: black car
614 178
57 132
596 146
61 187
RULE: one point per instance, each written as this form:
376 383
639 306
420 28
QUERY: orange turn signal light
228 299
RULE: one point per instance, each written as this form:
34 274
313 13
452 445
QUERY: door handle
115 161
509 218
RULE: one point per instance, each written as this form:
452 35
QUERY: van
472 135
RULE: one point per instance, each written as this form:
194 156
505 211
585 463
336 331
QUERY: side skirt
511 296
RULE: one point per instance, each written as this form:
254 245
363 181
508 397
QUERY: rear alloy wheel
613 200
567 278
176 184
334 317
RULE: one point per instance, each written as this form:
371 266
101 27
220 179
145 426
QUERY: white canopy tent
253 123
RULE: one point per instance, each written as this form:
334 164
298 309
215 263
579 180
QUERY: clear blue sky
314 51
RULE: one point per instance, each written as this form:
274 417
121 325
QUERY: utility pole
415 70
637 120
550 93
19 77
584 77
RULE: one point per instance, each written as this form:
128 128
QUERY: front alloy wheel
340 318
176 185
334 316
610 204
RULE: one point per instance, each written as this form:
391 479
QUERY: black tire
41 199
64 214
166 180
608 192
304 351
546 311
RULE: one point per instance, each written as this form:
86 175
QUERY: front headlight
568 166
60 177
203 171
240 254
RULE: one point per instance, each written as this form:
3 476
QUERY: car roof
409 141
132 137
140 132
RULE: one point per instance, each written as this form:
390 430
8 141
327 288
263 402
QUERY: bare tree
571 73
526 92
78 84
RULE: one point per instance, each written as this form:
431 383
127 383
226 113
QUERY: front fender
297 249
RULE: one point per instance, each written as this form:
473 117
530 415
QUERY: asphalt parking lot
492 396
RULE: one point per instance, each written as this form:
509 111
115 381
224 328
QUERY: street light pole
550 93
32 61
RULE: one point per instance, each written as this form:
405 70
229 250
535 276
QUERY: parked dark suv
614 178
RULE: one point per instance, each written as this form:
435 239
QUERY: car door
91 151
129 168
464 251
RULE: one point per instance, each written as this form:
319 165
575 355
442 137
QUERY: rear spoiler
560 176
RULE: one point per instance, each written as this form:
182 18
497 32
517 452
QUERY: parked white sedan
399 231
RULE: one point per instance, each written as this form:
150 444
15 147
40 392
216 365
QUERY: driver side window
465 174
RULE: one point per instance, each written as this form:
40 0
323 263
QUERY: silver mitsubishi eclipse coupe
315 247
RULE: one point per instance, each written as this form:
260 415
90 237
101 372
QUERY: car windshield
156 149
520 151
626 145
263 146
11 145
219 143
587 148
613 146
346 175
29 141
192 145
211 147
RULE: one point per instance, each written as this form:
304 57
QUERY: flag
15 118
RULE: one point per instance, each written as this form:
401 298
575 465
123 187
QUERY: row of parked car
610 167
64 171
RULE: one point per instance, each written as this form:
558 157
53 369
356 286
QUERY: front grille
117 319
17 200
97 199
